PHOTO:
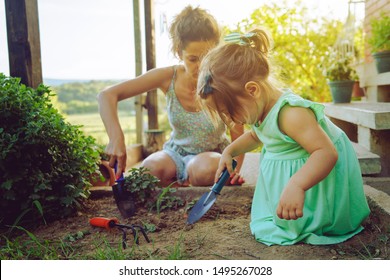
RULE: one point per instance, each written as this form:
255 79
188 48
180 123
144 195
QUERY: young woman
192 153
309 187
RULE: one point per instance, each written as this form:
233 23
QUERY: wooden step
370 163
374 115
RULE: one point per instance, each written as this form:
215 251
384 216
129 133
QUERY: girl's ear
252 88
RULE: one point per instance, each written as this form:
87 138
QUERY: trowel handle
222 179
103 222
115 168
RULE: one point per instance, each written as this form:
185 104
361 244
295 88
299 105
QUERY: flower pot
107 177
357 90
382 61
341 91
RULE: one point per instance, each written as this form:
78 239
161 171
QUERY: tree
300 44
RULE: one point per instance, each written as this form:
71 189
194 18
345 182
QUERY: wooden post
151 99
154 141
24 47
138 102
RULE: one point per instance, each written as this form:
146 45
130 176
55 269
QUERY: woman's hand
291 203
117 152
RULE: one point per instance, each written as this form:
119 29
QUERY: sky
93 39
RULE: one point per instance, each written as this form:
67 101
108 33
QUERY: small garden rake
113 222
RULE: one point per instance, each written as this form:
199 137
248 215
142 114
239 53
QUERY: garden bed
222 233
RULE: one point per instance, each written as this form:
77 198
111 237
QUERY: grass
30 247
92 125
33 248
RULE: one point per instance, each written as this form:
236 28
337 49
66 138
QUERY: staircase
367 123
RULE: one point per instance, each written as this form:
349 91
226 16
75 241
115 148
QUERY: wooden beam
151 99
138 69
24 47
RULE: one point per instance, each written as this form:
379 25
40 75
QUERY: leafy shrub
45 163
141 184
380 33
147 193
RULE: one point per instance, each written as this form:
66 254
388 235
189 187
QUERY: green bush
380 34
45 163
141 184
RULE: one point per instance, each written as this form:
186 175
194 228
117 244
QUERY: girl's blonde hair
193 25
227 68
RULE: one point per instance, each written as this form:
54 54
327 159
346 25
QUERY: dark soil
222 233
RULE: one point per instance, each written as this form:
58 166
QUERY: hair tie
207 87
240 39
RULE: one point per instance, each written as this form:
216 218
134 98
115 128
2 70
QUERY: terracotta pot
107 178
357 90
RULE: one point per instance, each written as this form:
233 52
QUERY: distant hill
58 82
79 96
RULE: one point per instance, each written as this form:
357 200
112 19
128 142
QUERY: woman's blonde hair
193 25
227 68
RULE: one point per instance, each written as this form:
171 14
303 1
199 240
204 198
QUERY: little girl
309 187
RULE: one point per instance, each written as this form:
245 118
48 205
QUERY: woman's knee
161 166
202 168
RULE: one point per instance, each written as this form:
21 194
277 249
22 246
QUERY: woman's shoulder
163 72
164 75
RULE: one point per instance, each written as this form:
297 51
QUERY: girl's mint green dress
334 208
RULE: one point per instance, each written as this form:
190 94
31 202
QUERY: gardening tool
123 197
113 222
208 199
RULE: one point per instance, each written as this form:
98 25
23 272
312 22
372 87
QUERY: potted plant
380 42
341 76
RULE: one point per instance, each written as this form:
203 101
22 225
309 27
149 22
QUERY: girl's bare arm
301 125
247 142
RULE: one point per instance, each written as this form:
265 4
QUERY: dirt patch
223 233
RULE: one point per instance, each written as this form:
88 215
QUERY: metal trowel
207 200
123 197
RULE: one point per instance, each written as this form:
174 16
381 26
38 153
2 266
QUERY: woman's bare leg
202 168
162 166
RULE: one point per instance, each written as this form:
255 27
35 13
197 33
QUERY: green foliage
33 248
339 67
380 34
146 192
141 184
45 163
300 43
166 200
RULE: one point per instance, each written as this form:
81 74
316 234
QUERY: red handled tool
113 222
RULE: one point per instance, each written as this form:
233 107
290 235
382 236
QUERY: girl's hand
236 179
291 202
224 162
